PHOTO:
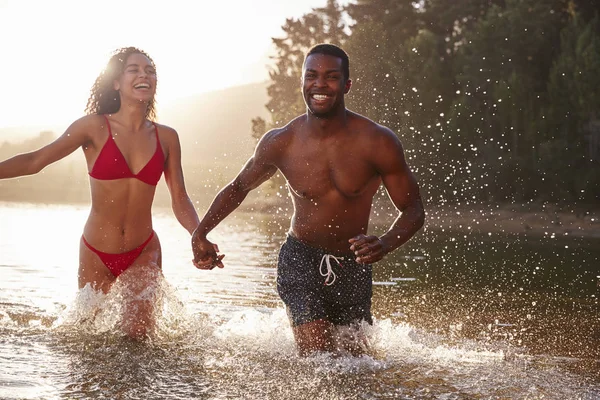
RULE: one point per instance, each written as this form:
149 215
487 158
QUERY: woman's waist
116 235
122 198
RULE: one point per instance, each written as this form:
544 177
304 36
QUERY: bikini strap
158 145
108 124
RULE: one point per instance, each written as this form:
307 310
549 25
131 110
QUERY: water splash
250 352
95 313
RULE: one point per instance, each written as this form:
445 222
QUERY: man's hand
205 253
367 249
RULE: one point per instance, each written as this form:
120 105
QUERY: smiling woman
126 154
138 78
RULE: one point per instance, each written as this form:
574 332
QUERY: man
334 161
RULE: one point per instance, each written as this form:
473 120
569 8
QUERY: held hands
205 253
367 249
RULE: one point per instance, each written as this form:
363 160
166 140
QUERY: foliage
495 100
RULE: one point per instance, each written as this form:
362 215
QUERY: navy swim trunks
302 273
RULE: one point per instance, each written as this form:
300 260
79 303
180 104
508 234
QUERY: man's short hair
332 50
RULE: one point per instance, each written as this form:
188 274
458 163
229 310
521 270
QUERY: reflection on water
457 317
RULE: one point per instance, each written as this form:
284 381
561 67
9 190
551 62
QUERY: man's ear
348 86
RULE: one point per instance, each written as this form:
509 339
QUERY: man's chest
316 171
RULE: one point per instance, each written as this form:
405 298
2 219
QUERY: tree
574 125
502 72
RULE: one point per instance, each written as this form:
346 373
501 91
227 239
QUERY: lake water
457 316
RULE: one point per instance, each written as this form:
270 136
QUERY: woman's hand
205 253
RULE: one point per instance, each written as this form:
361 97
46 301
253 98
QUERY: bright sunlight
52 51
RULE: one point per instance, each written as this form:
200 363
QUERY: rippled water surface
458 316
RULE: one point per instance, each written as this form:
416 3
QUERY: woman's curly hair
104 99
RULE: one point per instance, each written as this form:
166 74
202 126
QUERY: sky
52 50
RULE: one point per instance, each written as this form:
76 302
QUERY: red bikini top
111 164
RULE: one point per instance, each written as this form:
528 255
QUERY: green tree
573 124
502 71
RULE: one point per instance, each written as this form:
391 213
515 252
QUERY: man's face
324 84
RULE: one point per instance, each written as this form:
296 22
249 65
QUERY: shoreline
543 220
549 221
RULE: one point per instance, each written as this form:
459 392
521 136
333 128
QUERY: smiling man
334 160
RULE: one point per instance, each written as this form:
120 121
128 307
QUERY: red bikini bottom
118 263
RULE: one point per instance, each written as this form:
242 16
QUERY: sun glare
53 50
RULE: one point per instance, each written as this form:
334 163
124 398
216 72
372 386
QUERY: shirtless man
334 160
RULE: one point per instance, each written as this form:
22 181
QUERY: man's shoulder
283 133
371 129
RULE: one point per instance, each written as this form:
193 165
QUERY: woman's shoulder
89 125
167 136
89 120
165 130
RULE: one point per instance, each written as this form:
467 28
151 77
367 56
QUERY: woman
126 154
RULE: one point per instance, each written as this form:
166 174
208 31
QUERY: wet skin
334 161
120 217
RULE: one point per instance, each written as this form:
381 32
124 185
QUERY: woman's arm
180 201
33 162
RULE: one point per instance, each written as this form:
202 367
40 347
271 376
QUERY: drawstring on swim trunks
329 274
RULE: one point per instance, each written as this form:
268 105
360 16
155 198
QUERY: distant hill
21 133
215 135
215 131
216 126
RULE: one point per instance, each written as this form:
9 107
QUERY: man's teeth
319 96
142 85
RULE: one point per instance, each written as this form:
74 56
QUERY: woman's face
138 80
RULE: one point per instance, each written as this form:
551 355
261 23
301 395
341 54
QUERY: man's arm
257 170
402 188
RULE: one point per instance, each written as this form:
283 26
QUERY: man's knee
314 336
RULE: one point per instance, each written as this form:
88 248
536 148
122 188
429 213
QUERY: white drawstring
329 274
